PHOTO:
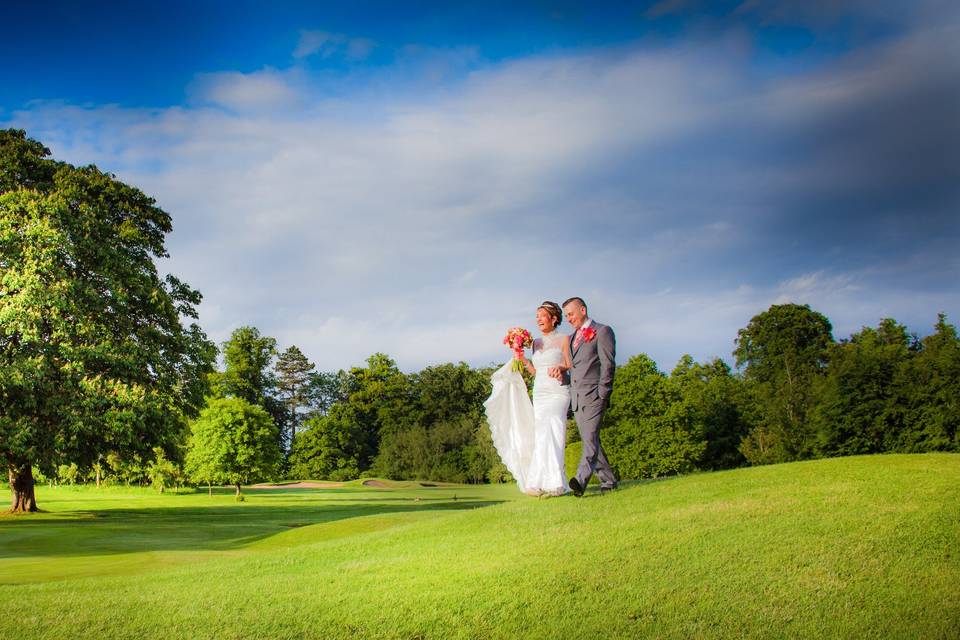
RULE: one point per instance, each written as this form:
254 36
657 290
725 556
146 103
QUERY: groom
593 349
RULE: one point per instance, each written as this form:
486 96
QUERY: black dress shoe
575 487
604 490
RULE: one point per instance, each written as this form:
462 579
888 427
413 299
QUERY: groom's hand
555 373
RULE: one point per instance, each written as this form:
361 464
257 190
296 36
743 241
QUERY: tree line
796 394
106 376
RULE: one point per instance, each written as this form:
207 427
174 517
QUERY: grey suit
591 383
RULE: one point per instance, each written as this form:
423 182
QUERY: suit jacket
593 363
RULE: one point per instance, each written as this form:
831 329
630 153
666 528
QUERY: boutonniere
589 334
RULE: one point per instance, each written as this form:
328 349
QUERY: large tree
294 377
649 430
326 389
928 401
715 396
331 448
439 435
94 354
233 441
859 409
247 374
783 352
343 443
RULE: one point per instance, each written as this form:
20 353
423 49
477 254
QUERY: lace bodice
548 352
553 341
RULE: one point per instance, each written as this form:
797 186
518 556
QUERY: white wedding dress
530 438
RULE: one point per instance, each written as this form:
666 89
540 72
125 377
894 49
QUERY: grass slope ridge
861 547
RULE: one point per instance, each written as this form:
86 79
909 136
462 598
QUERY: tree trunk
98 476
238 490
210 489
293 427
21 487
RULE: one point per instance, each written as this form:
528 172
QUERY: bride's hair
554 310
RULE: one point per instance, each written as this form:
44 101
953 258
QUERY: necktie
577 339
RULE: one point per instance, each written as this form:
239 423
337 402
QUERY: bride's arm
529 365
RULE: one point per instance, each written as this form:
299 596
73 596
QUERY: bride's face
544 321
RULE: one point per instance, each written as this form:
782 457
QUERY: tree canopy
94 352
783 351
232 441
649 430
247 373
293 375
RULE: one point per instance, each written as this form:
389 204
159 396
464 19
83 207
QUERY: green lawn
865 547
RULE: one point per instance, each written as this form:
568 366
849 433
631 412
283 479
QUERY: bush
67 473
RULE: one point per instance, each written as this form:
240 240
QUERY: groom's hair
575 299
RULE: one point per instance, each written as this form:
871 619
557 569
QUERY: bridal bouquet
517 339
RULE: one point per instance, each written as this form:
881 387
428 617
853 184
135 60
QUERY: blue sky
413 178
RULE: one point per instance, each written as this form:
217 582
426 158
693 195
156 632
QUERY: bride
531 439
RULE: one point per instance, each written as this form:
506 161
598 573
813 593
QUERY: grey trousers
593 459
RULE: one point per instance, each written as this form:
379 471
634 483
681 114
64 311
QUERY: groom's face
576 314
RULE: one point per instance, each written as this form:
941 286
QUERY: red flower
589 334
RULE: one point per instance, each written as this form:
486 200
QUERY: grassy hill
865 547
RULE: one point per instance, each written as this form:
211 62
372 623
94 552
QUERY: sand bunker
375 483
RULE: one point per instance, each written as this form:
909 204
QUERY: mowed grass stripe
119 530
857 547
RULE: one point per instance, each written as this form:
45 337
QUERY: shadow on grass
199 528
106 529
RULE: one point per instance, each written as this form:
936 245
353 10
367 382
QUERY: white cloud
817 284
310 43
261 91
424 224
328 45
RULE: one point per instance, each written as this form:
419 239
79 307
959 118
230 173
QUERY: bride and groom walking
570 372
